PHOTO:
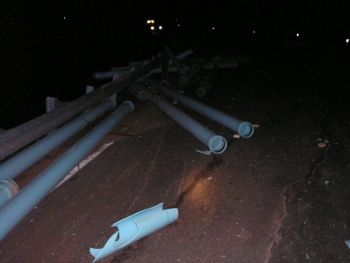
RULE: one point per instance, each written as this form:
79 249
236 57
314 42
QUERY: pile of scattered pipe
185 72
63 123
216 144
18 137
58 125
14 210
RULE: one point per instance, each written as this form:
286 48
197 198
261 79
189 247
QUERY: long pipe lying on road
26 133
216 143
12 212
24 159
245 129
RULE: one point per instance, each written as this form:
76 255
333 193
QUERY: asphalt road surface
280 196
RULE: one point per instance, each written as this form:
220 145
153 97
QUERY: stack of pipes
216 144
15 204
58 124
15 209
59 127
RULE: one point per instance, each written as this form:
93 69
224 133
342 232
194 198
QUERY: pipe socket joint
164 83
130 104
217 144
144 95
8 189
201 92
246 129
183 80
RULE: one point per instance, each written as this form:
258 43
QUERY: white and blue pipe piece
135 227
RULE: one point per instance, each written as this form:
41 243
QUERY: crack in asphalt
285 202
321 159
215 162
277 235
323 124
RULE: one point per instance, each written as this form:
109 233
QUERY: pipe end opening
246 130
164 83
8 189
130 104
201 92
217 144
144 95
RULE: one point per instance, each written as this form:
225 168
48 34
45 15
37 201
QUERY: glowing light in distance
347 41
253 31
213 28
160 27
152 28
150 21
297 34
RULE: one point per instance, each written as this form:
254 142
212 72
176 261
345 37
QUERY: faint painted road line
84 162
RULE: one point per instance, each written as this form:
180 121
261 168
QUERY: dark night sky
102 24
44 54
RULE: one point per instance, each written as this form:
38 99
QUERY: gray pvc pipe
216 143
245 129
12 212
20 162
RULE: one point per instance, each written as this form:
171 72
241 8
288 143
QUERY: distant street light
297 34
347 41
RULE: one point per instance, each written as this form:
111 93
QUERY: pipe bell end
246 130
130 104
217 144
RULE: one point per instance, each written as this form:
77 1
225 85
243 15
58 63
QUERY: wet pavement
260 201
